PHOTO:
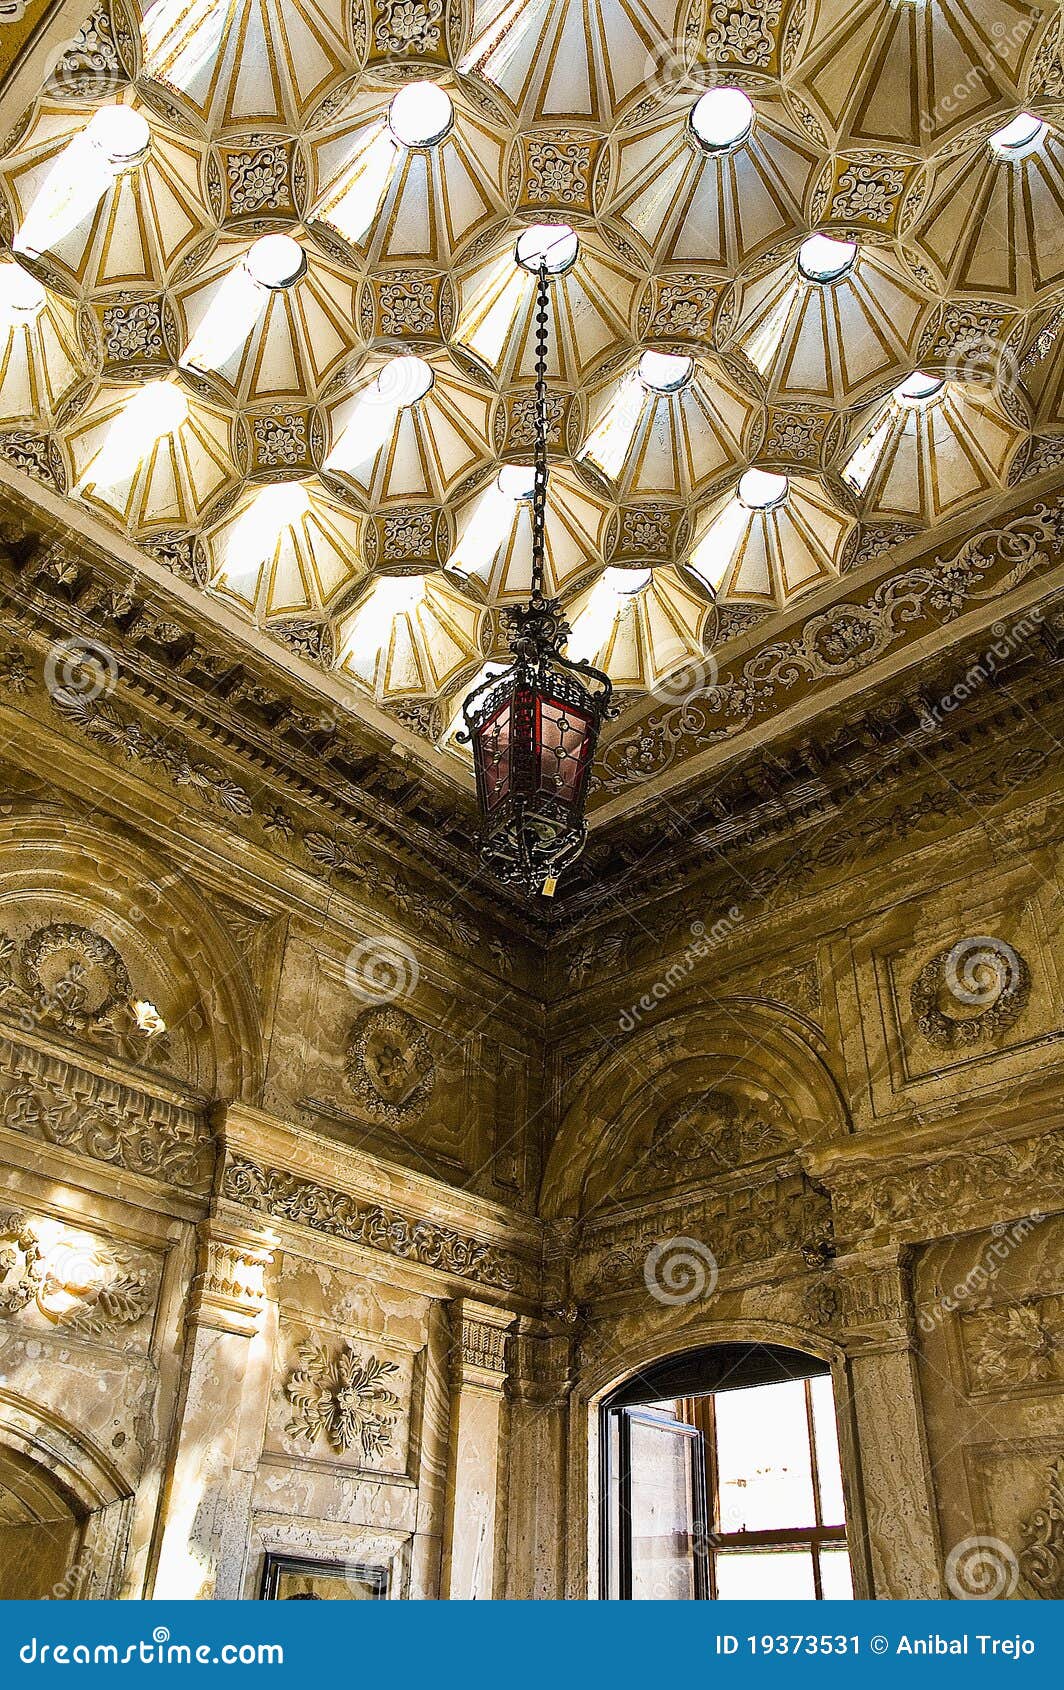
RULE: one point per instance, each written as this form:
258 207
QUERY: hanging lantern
534 727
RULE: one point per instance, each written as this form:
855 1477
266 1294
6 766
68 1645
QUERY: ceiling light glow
399 384
121 134
157 409
554 243
758 490
420 115
115 139
822 259
516 481
403 381
722 118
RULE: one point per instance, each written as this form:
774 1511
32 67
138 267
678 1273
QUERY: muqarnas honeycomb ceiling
260 310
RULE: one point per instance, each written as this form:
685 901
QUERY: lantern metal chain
539 486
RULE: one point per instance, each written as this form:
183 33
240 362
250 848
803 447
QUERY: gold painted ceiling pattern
285 347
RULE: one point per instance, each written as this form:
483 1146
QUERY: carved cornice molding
831 806
285 1197
208 687
140 730
58 1103
833 644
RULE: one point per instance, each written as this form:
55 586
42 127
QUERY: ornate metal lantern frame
534 727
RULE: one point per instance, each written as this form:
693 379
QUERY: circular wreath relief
389 1065
971 992
76 975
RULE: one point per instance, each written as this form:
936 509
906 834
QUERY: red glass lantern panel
493 746
563 743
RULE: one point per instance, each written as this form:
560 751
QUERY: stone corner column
542 1363
204 1516
474 1505
885 1411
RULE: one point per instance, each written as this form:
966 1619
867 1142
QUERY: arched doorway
722 1479
40 1533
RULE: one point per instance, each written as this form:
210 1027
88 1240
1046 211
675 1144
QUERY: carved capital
478 1346
229 1290
866 1302
542 1359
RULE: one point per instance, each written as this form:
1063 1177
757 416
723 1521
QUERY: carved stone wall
280 1276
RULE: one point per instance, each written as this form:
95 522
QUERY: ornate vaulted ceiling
318 489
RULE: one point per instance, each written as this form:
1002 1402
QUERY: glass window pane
826 1431
613 1566
748 1575
835 1580
763 1462
663 1513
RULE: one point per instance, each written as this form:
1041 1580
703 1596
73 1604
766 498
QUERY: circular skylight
627 582
162 405
760 491
554 242
516 481
722 118
821 259
276 261
664 372
919 387
21 295
420 115
1019 136
121 134
403 381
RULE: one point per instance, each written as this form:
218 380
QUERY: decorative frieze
838 642
745 1226
931 1197
52 1101
285 1197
